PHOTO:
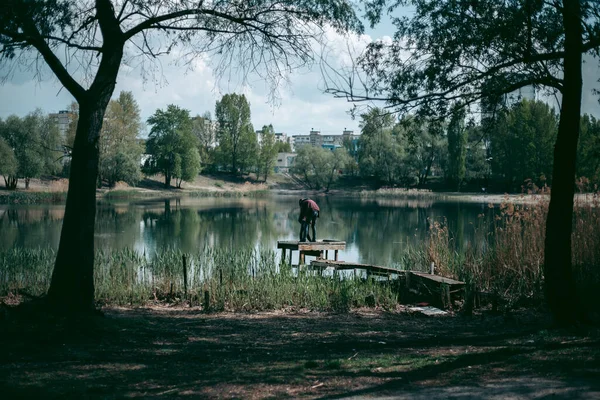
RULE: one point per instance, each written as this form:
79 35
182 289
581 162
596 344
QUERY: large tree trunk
559 283
72 286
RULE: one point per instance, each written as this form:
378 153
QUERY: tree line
29 147
509 151
178 146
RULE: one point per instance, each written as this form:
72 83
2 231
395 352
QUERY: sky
301 106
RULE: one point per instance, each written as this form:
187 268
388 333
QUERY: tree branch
68 43
154 22
53 62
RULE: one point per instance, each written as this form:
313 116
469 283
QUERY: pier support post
185 282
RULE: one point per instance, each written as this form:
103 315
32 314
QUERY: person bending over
309 212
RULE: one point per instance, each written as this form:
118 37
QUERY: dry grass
506 259
59 185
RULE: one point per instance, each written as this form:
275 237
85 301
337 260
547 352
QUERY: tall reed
233 279
506 257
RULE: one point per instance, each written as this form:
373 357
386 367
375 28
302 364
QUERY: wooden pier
319 249
376 270
439 289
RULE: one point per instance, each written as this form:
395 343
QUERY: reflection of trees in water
379 229
233 225
30 226
383 230
380 233
117 225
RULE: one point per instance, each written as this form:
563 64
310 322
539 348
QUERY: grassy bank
137 194
7 197
502 265
241 279
34 197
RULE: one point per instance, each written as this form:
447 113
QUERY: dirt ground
182 353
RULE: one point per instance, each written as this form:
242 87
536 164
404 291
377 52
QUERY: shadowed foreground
168 353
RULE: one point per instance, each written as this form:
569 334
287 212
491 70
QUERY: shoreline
47 192
30 197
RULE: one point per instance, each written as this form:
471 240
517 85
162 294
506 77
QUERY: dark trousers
305 223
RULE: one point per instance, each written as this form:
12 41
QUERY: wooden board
310 246
341 265
437 278
433 279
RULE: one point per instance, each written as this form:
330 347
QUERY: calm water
376 230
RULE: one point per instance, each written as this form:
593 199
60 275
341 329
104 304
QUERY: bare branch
36 39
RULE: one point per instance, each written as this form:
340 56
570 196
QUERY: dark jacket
308 208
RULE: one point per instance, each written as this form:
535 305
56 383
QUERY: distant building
330 142
285 161
350 140
62 119
490 107
281 137
315 138
205 130
301 141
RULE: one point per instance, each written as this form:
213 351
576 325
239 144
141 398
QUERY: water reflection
376 230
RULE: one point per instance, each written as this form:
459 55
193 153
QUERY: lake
376 231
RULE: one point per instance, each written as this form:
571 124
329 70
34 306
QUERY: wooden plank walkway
342 265
439 288
318 245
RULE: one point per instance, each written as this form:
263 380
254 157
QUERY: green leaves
8 161
267 152
522 144
35 143
457 149
238 146
170 144
120 148
320 167
462 51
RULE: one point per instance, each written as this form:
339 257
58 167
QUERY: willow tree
448 55
84 44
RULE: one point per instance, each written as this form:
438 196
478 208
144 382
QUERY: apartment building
331 142
62 119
